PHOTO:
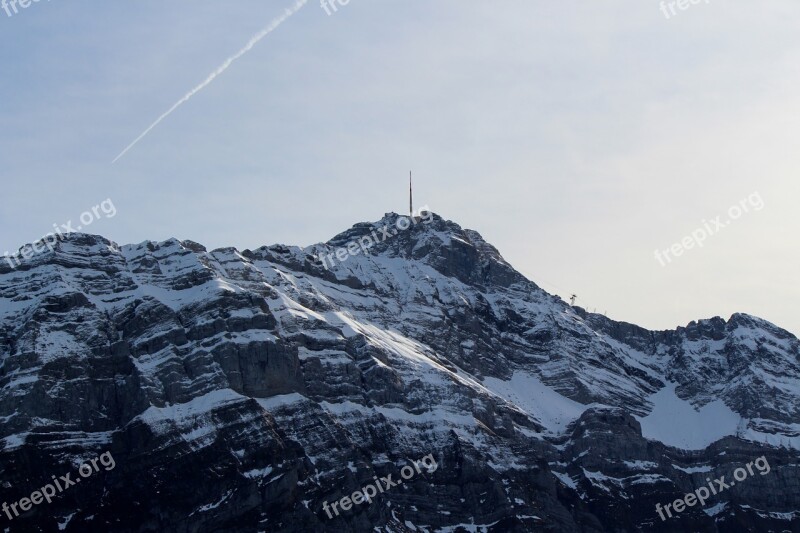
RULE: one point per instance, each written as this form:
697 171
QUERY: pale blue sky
577 137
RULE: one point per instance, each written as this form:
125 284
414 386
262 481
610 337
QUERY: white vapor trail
222 68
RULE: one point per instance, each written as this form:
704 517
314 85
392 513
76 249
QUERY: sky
578 137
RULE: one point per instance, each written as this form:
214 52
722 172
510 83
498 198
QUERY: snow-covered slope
289 382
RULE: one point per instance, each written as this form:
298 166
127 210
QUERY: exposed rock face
240 391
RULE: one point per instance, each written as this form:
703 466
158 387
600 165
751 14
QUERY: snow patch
529 394
675 422
693 469
566 480
716 509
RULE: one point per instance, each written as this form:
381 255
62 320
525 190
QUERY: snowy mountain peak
428 239
290 381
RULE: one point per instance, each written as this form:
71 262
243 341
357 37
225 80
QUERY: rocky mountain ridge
240 390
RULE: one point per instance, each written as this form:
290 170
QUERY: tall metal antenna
410 197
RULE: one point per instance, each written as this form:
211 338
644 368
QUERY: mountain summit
248 390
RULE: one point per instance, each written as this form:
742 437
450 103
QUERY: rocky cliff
245 390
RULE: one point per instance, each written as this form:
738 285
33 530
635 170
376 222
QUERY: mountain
252 390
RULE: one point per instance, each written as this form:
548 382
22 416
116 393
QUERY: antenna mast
410 197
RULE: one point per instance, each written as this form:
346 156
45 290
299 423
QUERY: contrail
222 68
